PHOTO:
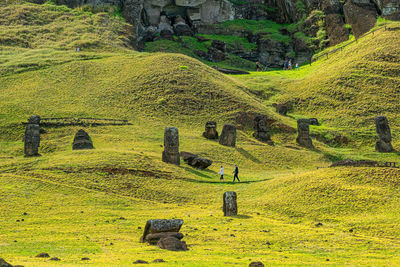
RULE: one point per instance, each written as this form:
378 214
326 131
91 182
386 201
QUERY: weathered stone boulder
303 130
189 3
153 239
389 9
261 131
172 243
331 7
82 140
256 264
385 137
361 16
161 226
228 135
214 11
196 161
32 137
216 55
171 146
230 207
210 131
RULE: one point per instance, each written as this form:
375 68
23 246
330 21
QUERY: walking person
221 172
297 66
258 66
236 172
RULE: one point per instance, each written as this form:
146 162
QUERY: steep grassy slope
353 86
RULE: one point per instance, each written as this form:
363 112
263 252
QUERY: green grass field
293 209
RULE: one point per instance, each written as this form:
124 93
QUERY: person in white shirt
221 172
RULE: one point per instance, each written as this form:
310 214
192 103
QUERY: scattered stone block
140 262
172 243
384 144
230 207
43 255
32 137
171 146
82 140
153 239
228 135
256 264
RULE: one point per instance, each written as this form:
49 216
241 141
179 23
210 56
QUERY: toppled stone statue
82 140
230 204
32 137
171 146
303 137
196 161
261 131
211 130
385 137
164 233
228 135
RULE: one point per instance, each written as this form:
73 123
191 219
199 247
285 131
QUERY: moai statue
385 137
303 137
228 135
32 137
261 129
211 130
171 146
82 140
230 204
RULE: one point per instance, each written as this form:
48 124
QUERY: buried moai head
228 135
230 204
171 146
211 130
385 136
82 140
32 137
261 131
303 137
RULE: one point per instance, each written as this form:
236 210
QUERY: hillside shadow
247 155
197 172
226 182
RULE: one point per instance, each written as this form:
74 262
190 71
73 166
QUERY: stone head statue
383 129
34 119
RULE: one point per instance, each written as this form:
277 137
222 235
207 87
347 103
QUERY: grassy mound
351 87
51 26
157 86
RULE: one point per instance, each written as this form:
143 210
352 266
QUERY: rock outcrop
361 15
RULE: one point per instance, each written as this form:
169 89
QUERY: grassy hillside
293 209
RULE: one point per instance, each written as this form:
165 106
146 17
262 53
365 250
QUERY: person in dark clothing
236 172
258 66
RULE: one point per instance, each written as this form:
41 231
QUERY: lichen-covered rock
385 137
230 207
171 146
228 135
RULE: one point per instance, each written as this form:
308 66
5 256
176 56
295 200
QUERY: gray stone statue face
303 127
383 129
35 119
171 137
